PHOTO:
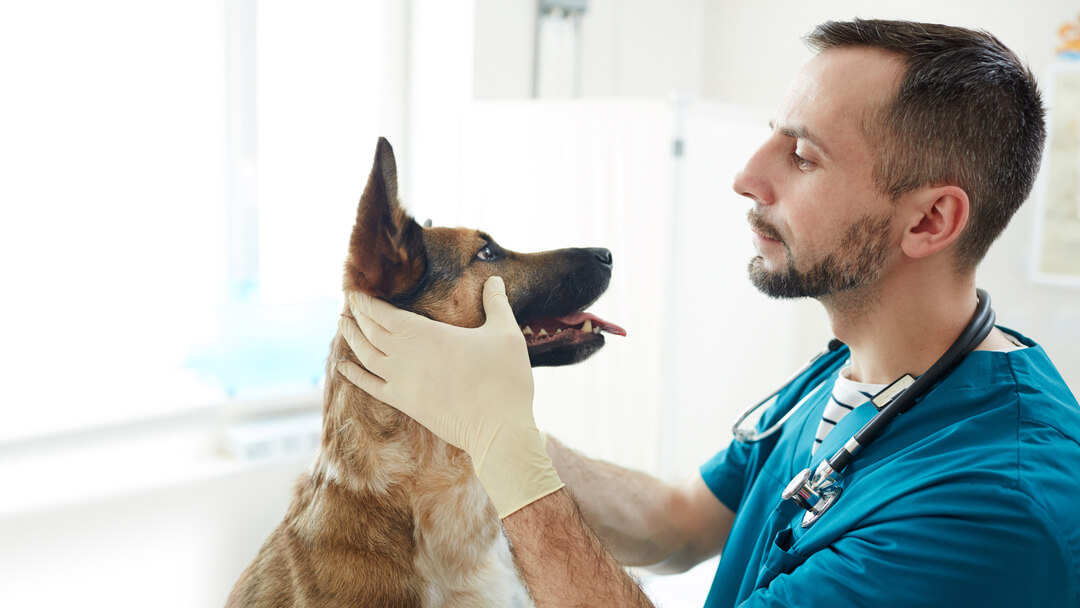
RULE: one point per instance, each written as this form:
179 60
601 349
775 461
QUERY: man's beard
856 262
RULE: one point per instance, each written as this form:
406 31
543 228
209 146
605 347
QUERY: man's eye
486 253
801 162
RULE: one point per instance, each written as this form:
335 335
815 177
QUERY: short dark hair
967 112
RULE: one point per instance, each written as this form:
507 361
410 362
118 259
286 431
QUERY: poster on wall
1056 257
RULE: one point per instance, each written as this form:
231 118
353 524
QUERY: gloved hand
471 387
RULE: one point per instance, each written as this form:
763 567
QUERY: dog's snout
603 255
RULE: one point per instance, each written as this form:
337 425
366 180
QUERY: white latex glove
471 387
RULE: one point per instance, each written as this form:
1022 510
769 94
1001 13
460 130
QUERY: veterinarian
899 153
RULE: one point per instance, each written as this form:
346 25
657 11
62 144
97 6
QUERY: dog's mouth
567 339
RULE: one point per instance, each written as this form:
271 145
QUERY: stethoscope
818 490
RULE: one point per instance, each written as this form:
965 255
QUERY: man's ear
935 217
386 251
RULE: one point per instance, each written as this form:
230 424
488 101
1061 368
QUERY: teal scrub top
971 498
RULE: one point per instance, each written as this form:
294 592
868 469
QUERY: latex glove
471 387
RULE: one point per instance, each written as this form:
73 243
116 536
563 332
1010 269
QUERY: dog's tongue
578 318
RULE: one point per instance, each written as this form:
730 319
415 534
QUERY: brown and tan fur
389 515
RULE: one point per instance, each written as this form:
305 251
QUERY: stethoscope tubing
817 489
980 325
752 435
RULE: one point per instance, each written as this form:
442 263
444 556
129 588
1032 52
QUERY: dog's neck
368 445
376 454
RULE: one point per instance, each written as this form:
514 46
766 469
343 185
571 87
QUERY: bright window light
113 221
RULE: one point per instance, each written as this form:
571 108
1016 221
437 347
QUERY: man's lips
761 229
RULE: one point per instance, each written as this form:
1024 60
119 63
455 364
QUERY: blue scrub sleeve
725 474
1005 554
729 472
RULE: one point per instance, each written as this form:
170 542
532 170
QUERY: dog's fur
389 515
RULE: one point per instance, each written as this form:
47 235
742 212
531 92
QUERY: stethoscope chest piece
816 492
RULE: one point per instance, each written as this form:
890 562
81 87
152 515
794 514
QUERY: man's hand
471 387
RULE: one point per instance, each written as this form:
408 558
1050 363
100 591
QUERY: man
899 154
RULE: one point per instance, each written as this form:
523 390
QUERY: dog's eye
486 253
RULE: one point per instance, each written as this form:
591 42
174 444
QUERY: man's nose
754 181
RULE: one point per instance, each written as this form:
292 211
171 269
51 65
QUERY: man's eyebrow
802 133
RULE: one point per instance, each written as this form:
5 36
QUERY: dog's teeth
596 329
587 327
558 331
543 332
527 330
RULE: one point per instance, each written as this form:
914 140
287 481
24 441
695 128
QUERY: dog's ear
386 251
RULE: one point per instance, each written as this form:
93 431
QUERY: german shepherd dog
389 515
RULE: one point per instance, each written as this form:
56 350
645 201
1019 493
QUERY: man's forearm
629 510
563 562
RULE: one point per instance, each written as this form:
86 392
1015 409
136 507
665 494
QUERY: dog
389 515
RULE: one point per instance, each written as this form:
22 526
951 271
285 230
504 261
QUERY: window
119 166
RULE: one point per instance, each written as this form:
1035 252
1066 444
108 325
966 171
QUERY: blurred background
178 181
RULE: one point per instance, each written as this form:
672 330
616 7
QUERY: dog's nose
603 255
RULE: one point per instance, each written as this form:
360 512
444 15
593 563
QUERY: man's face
820 227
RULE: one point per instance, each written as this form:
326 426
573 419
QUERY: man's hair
967 113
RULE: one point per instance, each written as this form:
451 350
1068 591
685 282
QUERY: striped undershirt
846 396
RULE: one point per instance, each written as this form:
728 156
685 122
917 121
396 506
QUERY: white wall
503 57
642 48
440 86
753 48
630 48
